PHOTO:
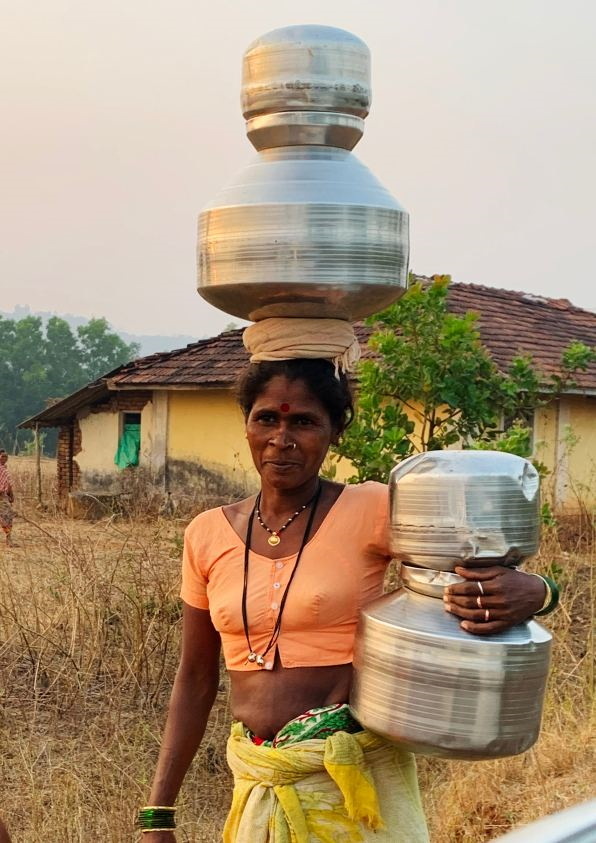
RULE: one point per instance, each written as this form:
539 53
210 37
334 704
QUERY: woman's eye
266 418
304 421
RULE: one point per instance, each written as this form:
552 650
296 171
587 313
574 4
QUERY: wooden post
38 463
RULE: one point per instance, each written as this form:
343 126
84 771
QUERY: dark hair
333 392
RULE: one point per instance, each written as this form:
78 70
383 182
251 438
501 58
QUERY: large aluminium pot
304 229
422 682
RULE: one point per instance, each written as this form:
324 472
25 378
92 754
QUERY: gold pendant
273 540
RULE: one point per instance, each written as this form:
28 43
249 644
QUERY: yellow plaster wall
578 440
565 441
545 436
145 454
207 426
99 438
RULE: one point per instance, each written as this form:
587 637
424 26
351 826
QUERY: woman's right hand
158 837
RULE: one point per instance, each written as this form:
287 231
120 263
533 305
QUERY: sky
121 120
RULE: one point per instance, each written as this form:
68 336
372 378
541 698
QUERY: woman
6 499
278 578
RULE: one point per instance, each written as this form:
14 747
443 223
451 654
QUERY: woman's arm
4 838
191 701
509 597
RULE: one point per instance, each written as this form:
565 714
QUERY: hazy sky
120 120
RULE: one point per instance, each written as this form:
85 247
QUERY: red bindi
285 408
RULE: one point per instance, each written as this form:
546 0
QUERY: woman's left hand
493 599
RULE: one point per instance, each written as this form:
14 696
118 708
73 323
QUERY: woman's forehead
287 396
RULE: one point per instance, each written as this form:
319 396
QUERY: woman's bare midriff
266 700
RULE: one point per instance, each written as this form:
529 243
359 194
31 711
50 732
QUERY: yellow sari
344 789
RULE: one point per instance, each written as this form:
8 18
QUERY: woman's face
289 432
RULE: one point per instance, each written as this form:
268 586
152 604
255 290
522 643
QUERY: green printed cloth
314 724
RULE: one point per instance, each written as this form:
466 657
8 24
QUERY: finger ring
480 587
486 615
479 602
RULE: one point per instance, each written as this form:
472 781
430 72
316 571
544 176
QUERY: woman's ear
336 436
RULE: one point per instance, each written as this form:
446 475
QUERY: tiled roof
212 362
510 323
513 323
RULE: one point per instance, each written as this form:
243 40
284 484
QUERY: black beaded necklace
275 535
259 658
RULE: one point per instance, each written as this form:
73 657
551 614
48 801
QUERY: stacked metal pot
305 230
419 679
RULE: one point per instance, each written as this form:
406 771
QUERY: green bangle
156 818
555 594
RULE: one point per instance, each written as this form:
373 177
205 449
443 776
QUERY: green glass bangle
555 594
156 818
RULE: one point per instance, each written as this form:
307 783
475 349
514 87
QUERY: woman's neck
279 502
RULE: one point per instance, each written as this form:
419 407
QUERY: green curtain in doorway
129 446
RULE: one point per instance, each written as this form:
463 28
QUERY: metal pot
305 229
419 679
451 508
306 85
422 682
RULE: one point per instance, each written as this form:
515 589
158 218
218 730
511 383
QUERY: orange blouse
342 568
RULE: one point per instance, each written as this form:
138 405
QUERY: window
131 418
129 444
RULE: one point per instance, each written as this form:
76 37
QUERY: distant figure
6 501
4 836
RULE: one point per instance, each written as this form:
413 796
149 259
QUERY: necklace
275 537
259 658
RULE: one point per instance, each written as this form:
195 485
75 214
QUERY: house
177 408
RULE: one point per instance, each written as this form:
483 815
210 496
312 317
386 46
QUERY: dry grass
89 626
473 802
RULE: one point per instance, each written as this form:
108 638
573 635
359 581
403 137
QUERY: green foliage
37 365
101 349
547 517
577 357
429 366
515 440
432 384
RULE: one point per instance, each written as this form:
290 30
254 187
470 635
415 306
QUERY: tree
38 364
101 349
432 384
23 381
64 369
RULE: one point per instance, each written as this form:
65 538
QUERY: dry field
89 626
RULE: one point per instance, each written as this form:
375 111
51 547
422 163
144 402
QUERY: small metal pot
453 508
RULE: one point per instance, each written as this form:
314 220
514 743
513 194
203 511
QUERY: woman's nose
282 439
